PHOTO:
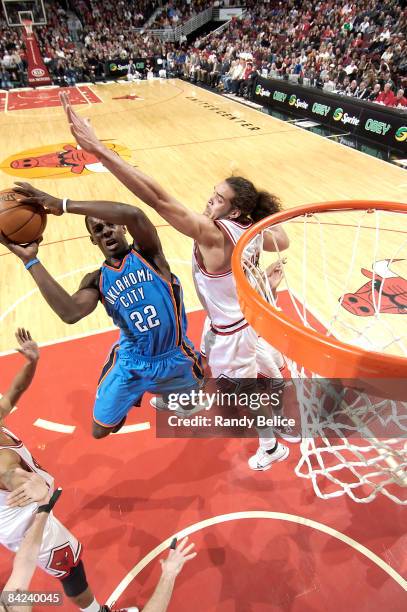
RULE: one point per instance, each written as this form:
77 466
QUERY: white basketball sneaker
158 403
263 460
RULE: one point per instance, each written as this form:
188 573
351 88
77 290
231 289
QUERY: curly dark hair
253 204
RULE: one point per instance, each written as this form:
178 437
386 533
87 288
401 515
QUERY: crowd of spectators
119 15
353 49
102 33
177 12
12 58
356 50
77 44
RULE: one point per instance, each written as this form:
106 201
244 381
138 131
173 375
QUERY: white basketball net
353 443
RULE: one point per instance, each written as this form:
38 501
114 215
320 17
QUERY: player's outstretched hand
28 346
25 253
275 273
33 489
36 197
81 128
173 564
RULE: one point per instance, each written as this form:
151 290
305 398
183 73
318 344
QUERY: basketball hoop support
28 26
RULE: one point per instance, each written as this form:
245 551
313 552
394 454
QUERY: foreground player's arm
25 560
22 380
186 221
170 567
69 308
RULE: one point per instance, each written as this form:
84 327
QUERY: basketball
20 223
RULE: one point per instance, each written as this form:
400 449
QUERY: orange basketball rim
324 355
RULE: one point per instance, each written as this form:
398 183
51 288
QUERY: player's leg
270 364
118 390
233 355
101 431
202 350
60 556
178 373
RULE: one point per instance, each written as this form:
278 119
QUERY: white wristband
64 203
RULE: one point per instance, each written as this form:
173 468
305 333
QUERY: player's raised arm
22 380
183 219
138 224
170 567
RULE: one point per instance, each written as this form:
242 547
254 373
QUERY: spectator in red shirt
246 79
400 101
358 42
386 97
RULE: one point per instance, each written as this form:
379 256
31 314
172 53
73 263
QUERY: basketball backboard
16 11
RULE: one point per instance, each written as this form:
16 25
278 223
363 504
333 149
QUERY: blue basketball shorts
126 377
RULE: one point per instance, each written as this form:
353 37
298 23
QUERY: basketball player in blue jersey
139 293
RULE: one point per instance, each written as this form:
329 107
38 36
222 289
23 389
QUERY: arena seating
354 50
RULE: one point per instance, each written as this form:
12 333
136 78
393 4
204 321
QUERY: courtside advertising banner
385 126
117 68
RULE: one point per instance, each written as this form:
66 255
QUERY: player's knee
100 432
75 583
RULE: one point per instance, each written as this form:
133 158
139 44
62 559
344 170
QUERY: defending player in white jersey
232 347
60 552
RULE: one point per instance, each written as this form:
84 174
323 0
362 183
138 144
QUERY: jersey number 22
148 321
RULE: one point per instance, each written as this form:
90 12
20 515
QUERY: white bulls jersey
217 292
60 551
15 521
231 347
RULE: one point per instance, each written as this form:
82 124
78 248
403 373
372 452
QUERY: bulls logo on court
385 292
65 160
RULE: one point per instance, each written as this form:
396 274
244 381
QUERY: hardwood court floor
188 139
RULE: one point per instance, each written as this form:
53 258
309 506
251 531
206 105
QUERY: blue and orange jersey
147 308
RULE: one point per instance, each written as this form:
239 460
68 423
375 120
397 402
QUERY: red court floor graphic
125 495
45 98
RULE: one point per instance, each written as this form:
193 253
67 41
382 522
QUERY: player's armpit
90 281
276 239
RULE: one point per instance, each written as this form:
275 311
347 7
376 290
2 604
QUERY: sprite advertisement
384 126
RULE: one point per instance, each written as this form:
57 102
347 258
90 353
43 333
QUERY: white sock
94 607
267 439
